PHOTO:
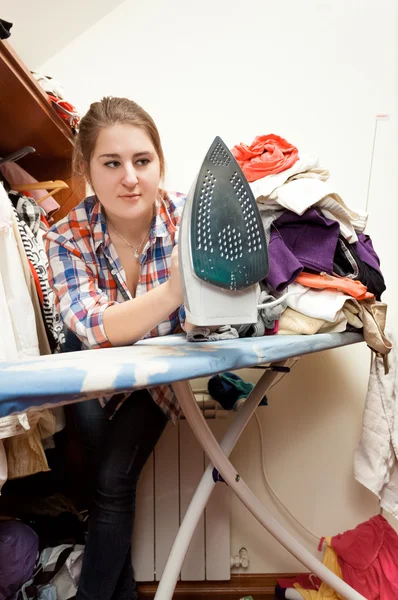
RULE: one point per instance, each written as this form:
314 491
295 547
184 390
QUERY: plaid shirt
86 275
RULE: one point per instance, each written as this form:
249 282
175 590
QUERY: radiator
165 489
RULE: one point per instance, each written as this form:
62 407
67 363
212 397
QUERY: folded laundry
293 322
262 188
297 242
324 281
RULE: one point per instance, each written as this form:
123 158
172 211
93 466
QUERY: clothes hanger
52 193
17 155
41 185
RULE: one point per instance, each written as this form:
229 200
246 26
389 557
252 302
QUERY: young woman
114 270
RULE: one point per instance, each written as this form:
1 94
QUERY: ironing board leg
203 492
232 478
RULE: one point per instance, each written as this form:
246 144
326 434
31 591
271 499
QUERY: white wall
316 72
40 29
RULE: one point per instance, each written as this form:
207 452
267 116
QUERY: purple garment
284 267
366 252
300 242
19 546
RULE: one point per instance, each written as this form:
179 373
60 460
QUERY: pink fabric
274 330
17 175
368 557
267 155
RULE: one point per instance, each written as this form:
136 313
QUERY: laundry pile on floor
41 549
365 557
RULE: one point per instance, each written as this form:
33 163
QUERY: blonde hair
112 111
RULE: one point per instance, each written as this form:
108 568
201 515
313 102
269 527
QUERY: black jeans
117 450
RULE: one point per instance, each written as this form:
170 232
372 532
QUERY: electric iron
222 246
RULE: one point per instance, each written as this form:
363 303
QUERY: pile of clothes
323 267
41 549
56 96
365 557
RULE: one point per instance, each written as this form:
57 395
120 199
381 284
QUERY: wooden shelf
28 119
26 116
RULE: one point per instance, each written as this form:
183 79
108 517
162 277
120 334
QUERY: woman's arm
87 311
129 321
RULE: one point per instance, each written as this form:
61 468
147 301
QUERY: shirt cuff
96 335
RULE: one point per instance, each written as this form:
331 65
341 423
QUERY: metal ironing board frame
165 360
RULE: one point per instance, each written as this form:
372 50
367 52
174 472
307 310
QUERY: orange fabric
352 288
267 155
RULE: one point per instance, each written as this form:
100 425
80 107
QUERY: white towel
376 457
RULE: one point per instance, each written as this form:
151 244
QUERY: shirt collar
98 226
163 224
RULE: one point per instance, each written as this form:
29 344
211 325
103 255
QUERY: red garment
45 221
267 155
368 557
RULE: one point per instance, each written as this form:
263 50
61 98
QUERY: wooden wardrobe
28 119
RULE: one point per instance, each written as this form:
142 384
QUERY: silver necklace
136 251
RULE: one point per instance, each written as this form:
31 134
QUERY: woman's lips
130 196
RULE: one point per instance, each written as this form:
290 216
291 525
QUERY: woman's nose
130 178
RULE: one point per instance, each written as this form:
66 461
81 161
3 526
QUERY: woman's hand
129 321
175 279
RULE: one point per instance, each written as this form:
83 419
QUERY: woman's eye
112 164
142 162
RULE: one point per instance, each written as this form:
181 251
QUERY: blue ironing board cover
48 381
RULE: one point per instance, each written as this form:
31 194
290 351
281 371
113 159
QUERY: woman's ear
81 168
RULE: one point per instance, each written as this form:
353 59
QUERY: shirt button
113 271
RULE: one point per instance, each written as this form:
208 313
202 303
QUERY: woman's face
125 171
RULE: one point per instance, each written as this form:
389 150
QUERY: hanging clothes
376 456
42 336
27 214
17 320
17 175
24 449
18 340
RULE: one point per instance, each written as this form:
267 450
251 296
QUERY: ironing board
49 381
